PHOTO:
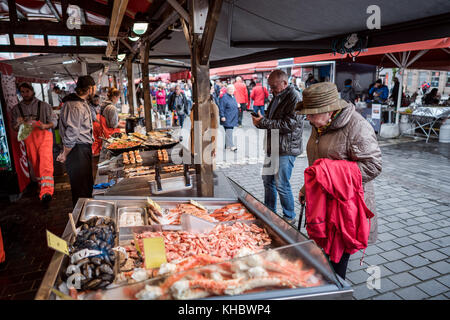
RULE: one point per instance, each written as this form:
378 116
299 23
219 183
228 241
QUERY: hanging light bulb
132 36
120 57
140 24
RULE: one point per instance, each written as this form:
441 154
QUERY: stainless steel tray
98 208
170 185
130 210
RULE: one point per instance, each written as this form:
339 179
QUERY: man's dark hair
83 85
348 82
26 85
379 81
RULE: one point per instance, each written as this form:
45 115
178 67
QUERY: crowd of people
339 133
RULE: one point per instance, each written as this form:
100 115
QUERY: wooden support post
146 88
130 92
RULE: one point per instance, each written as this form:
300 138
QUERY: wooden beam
187 35
53 9
54 28
120 6
210 30
146 87
175 56
64 6
52 49
12 11
130 91
176 5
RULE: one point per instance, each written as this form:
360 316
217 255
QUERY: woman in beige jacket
341 133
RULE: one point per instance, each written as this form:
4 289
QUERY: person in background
311 80
259 95
97 129
281 117
161 99
60 93
215 95
178 103
223 90
348 93
229 114
241 95
39 143
217 87
109 119
75 127
188 94
339 132
432 98
394 91
379 92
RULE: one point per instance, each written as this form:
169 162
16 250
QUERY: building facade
413 79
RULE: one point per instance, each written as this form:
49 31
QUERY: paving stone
442 267
440 297
435 233
442 242
430 226
404 241
400 232
445 251
357 277
392 255
386 285
416 261
386 236
433 255
424 273
398 266
432 287
387 296
420 237
361 292
424 219
412 293
445 280
388 245
426 246
375 260
415 229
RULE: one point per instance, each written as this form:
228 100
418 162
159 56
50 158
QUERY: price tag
154 252
198 205
57 243
61 295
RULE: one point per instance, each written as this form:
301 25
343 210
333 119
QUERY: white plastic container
389 130
405 125
444 132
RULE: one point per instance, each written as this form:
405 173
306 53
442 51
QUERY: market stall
427 118
152 164
235 247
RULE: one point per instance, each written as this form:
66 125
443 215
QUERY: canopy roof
248 30
437 56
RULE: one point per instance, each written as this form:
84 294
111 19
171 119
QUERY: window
29 39
90 41
448 80
423 77
435 79
59 41
409 77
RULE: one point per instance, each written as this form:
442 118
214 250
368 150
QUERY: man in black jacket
281 120
178 103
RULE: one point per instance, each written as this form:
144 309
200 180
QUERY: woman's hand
223 119
301 197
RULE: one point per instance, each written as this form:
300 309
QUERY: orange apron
39 146
97 132
106 131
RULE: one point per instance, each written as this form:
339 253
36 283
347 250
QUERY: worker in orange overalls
39 143
2 250
109 119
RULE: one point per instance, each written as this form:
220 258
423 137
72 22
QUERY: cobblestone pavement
413 205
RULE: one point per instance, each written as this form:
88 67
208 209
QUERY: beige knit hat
319 98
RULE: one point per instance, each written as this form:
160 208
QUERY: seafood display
224 241
131 218
123 144
132 157
234 211
159 139
92 256
163 156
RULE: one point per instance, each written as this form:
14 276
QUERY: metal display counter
428 117
286 241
